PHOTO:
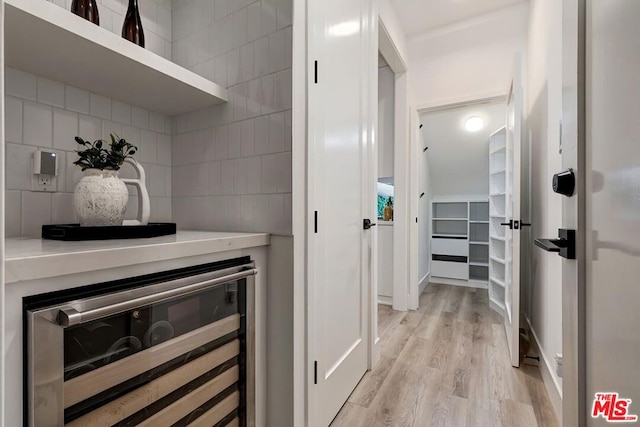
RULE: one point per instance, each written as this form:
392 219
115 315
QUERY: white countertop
31 259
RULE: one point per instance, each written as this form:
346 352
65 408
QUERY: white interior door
512 213
338 196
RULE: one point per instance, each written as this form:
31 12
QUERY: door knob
564 245
508 224
367 224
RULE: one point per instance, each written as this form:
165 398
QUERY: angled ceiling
419 16
459 160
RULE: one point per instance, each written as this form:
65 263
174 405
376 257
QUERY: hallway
447 364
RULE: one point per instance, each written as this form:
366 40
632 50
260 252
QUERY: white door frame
414 171
402 157
574 274
302 72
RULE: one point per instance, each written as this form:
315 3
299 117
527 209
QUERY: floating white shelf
502 239
479 243
498 171
498 194
497 216
478 222
479 264
499 149
46 40
498 282
449 219
458 236
498 260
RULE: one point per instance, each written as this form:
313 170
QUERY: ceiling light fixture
473 124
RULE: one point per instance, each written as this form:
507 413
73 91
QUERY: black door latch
564 245
367 224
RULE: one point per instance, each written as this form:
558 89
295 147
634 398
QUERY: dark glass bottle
132 28
87 9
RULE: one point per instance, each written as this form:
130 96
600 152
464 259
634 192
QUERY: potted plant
100 198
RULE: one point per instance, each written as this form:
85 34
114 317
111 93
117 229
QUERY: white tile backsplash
50 92
100 106
246 143
37 124
60 114
13 119
37 211
13 213
77 100
90 128
20 84
65 129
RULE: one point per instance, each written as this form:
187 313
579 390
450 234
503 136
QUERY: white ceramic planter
100 198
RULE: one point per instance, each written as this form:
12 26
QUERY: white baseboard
551 382
459 282
385 300
423 283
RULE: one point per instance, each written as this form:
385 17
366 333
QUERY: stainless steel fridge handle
69 316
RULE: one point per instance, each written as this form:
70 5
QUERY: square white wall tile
19 166
62 209
36 211
77 100
13 213
65 129
149 146
13 119
50 92
100 106
37 124
20 84
121 112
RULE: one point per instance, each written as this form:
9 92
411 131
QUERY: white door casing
340 140
512 213
574 401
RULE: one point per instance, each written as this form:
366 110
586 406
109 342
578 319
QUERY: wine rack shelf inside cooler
49 41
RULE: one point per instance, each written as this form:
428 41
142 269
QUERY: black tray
73 232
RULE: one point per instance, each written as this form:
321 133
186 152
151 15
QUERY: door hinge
315 222
315 72
315 372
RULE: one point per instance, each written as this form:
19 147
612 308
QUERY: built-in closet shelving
44 39
497 209
460 242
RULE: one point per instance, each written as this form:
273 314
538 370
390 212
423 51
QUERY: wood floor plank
542 407
447 364
351 415
450 411
371 383
405 388
516 414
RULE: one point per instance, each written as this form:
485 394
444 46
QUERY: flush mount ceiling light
473 124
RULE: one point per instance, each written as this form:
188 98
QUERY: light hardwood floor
447 364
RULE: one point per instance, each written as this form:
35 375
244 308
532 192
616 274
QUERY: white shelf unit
49 41
460 242
497 209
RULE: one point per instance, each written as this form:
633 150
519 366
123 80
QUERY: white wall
468 60
386 119
459 159
394 28
543 303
